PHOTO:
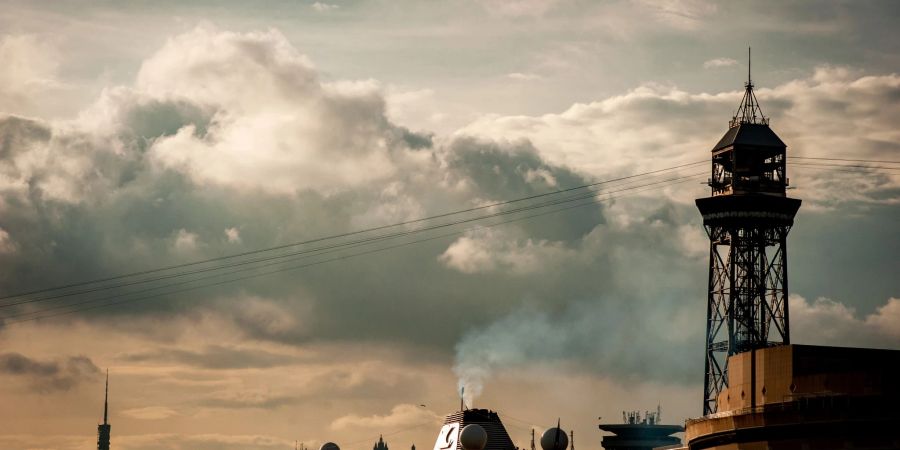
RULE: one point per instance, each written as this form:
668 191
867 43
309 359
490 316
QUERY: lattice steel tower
747 218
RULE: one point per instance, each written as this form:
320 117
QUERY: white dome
554 439
473 437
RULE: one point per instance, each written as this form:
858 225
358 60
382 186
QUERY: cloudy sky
142 135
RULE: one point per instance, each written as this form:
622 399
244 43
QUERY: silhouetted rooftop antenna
104 429
749 110
106 400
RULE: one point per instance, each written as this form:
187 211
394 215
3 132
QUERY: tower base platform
805 397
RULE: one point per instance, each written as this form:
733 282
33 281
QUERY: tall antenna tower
747 218
103 430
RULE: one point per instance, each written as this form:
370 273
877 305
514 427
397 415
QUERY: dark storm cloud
49 376
17 133
516 170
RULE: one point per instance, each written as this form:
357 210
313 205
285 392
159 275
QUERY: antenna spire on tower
106 399
104 428
748 111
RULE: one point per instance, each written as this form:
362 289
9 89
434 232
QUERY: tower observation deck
747 218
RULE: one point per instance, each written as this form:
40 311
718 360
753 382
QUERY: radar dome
554 439
329 446
473 437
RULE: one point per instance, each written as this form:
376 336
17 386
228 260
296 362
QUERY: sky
138 135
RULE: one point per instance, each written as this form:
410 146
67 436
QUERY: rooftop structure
497 437
639 432
380 445
804 396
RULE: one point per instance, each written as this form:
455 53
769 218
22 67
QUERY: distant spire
104 428
106 400
748 111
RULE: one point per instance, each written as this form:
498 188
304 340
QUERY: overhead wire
290 268
552 202
853 166
274 260
844 159
347 234
41 314
313 250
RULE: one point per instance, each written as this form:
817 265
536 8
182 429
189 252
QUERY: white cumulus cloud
825 321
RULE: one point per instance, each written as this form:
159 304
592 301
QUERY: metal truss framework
747 306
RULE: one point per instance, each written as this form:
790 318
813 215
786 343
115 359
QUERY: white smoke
470 382
584 336
512 342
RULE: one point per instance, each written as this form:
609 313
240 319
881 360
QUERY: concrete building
805 397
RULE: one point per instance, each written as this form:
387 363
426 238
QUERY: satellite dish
329 446
473 437
554 439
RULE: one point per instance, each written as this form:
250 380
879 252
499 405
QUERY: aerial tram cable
581 196
347 234
682 179
326 249
845 159
40 314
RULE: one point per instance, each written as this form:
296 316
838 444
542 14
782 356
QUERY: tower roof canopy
749 126
751 135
